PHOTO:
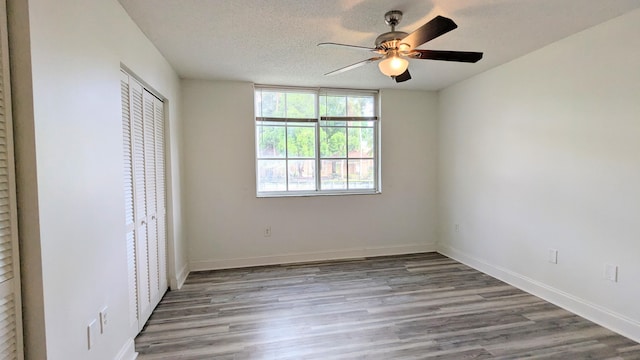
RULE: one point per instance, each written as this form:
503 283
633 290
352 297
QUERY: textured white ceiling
274 41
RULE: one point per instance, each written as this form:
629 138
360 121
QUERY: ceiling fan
394 47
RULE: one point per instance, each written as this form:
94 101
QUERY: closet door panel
161 197
150 181
140 201
128 200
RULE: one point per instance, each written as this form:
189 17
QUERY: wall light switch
611 272
104 319
553 256
92 332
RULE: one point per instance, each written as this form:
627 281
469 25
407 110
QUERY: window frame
259 121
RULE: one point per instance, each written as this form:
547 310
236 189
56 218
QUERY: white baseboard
182 276
128 351
598 314
307 257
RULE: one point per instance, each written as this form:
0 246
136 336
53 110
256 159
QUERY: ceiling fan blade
429 31
403 77
461 56
348 46
353 66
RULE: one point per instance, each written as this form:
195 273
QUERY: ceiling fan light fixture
393 65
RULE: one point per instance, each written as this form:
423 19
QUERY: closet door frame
12 340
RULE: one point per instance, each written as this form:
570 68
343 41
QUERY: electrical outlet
104 319
92 332
456 227
553 256
611 272
267 231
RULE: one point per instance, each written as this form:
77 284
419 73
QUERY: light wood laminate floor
421 306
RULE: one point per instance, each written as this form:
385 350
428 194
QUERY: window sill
316 193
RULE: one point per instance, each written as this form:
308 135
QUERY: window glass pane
334 174
271 104
360 106
301 141
301 105
271 175
302 175
333 142
271 123
361 174
270 141
361 142
333 105
333 123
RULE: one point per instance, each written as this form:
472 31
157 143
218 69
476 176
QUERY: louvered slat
128 165
8 327
149 151
138 150
133 281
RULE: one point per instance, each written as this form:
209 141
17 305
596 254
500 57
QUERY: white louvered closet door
143 131
11 342
140 200
128 198
150 183
161 198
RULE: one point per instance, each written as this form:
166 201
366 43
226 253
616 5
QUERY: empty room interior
339 179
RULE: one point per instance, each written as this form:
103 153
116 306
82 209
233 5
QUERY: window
311 141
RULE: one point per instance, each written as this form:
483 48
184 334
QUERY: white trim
302 193
181 277
596 313
128 351
315 256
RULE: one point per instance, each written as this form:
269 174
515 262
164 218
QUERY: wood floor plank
417 306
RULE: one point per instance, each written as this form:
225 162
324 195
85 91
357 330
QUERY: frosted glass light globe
393 65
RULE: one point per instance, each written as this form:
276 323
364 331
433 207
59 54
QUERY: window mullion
317 159
346 130
286 146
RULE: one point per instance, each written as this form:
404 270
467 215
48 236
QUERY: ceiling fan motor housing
390 40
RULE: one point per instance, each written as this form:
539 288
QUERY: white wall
543 153
225 220
70 166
